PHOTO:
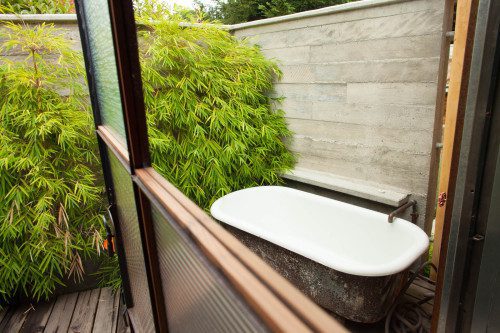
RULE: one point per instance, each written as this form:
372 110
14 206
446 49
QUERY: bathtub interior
338 235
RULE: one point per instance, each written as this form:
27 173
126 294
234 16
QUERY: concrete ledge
370 191
39 18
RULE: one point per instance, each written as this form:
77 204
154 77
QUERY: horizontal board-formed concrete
360 83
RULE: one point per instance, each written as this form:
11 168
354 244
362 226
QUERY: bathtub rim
401 263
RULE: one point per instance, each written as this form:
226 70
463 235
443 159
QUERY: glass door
182 272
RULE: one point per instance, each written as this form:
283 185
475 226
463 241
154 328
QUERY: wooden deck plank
16 320
60 318
426 306
8 313
107 312
419 292
38 317
3 312
117 300
95 310
121 325
85 310
425 284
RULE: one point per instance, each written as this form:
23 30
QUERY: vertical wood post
455 108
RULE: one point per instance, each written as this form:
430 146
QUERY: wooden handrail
275 299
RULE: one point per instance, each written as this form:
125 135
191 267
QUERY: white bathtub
340 236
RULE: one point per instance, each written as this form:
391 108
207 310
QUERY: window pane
141 312
197 297
104 65
212 129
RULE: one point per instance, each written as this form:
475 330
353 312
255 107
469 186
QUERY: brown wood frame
437 135
129 78
103 151
455 110
277 302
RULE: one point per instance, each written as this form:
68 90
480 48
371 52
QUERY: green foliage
38 6
237 11
211 126
109 273
51 197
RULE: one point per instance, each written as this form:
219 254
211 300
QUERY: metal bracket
109 233
442 199
478 238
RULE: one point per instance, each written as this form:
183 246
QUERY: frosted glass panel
197 296
132 245
103 60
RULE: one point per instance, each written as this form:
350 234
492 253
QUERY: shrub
211 124
39 6
237 11
51 197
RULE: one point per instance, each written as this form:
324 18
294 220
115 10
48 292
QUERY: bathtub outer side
357 298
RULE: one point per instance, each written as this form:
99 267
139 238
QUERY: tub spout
402 208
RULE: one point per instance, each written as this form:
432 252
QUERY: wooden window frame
276 301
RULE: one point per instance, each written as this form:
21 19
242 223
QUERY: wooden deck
419 290
97 310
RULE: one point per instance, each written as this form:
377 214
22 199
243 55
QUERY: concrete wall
360 83
65 22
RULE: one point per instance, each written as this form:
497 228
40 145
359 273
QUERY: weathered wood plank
424 284
107 312
3 312
117 302
419 292
38 317
16 320
427 307
456 101
122 326
85 309
60 318
6 317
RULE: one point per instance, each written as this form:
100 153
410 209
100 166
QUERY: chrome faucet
402 208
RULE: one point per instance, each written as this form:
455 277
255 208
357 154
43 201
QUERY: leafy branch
51 194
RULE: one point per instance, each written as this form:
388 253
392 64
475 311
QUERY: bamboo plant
51 196
212 128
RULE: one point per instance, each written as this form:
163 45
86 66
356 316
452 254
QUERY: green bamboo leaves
211 126
51 197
